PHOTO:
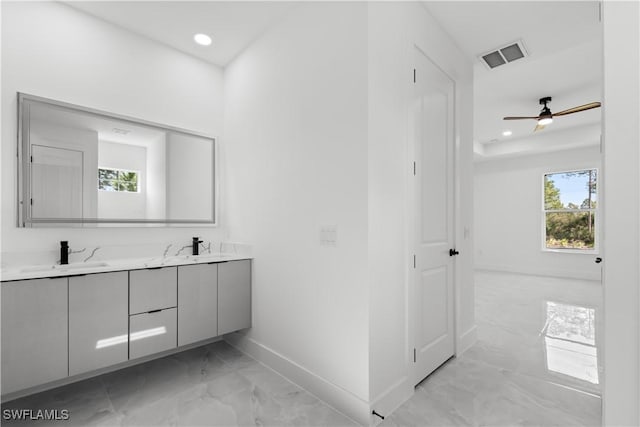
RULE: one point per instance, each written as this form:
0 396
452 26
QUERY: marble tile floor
535 361
213 385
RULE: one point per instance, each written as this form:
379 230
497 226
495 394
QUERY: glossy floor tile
213 385
535 363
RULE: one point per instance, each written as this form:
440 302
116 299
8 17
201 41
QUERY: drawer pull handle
154 268
154 311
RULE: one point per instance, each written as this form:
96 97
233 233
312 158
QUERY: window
570 202
117 180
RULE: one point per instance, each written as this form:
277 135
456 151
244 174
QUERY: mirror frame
23 212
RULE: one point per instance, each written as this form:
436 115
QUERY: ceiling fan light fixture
543 121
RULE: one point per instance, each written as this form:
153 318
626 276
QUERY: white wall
54 51
621 213
296 150
508 215
394 30
117 204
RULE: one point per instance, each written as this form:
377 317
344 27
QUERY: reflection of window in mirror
110 179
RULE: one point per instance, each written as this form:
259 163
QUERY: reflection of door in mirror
52 127
56 182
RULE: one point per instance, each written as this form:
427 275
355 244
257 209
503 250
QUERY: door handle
453 252
598 260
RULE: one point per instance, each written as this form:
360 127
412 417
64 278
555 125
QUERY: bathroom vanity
61 325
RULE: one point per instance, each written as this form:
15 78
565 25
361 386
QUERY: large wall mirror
82 167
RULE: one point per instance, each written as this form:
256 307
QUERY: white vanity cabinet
56 329
152 332
98 321
153 297
34 332
197 302
152 289
234 296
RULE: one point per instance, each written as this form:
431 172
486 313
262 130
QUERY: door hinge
31 202
601 151
414 355
414 75
414 260
599 11
414 168
31 159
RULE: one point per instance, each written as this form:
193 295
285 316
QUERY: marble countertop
79 268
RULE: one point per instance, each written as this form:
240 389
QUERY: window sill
572 251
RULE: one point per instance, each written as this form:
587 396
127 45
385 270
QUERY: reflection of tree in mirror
117 180
570 225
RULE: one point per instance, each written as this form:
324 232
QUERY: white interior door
432 119
56 182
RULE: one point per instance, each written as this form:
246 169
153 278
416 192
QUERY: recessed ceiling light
507 133
202 39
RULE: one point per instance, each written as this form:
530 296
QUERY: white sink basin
81 265
37 268
65 267
199 258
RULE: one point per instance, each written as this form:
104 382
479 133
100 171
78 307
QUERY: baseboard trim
392 398
563 274
467 340
333 395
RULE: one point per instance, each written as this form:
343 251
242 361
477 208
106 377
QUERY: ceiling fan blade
519 118
578 109
539 127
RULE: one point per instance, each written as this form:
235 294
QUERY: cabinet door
234 296
151 333
152 289
34 333
98 321
197 303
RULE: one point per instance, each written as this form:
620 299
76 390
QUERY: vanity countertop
75 269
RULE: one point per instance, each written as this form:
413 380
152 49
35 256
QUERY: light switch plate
328 235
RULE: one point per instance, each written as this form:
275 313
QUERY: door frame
412 226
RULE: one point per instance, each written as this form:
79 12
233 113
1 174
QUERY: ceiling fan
546 116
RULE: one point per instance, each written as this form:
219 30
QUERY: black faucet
64 252
196 245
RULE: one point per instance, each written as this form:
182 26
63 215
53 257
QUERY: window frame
596 211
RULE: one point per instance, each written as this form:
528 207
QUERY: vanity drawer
152 289
151 333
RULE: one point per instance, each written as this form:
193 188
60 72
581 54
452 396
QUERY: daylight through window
570 204
117 180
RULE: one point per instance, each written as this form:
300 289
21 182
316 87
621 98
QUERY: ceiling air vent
509 53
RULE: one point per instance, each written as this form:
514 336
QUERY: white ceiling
232 25
564 41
